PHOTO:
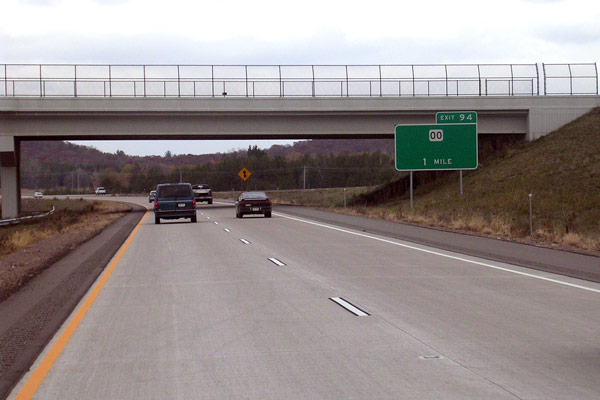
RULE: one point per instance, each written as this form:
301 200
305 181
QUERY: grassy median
28 248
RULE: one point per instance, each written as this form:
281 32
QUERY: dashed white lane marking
349 306
244 241
276 262
216 223
226 229
482 264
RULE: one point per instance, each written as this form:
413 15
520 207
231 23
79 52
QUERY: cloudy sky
290 32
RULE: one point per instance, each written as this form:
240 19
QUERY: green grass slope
561 171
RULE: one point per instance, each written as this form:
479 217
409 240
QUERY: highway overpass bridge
59 102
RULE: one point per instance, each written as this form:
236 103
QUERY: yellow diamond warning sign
244 174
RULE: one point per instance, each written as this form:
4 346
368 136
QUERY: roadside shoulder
31 316
541 258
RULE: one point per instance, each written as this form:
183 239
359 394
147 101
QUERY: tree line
267 173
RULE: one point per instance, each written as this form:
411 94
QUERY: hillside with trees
63 167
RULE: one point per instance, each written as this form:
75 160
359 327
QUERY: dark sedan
253 203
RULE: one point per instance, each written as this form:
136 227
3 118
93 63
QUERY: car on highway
100 190
152 196
38 195
202 192
174 201
253 203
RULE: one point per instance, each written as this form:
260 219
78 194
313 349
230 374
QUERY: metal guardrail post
144 80
413 79
280 87
212 79
75 81
109 81
41 90
479 77
544 73
446 71
380 85
537 74
313 80
512 82
347 85
178 83
596 69
570 80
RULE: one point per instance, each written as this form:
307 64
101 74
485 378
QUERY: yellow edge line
40 372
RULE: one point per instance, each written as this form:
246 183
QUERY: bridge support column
10 181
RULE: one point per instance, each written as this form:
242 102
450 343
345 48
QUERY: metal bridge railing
197 81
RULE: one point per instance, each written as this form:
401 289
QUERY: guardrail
14 221
199 81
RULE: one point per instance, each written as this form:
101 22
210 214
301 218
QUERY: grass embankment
31 246
561 171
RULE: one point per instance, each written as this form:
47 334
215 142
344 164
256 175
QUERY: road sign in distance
436 147
462 117
244 174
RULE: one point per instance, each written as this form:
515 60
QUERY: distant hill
84 156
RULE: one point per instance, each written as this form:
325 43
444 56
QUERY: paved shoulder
550 260
31 316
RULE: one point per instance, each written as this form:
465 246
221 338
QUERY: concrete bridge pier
10 181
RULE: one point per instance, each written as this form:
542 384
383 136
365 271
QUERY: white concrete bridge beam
9 177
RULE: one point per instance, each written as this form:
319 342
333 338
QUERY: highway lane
191 311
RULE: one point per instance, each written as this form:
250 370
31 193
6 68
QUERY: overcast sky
293 32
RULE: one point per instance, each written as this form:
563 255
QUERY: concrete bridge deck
258 118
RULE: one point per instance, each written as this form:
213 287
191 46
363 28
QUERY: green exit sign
461 117
436 147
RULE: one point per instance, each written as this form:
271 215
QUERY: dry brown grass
561 170
27 249
70 216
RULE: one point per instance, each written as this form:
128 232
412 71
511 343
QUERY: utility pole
305 177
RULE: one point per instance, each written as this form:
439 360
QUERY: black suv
173 201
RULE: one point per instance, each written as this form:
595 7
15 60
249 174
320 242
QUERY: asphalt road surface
242 309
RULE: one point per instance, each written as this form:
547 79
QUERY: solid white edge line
441 254
276 261
353 309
